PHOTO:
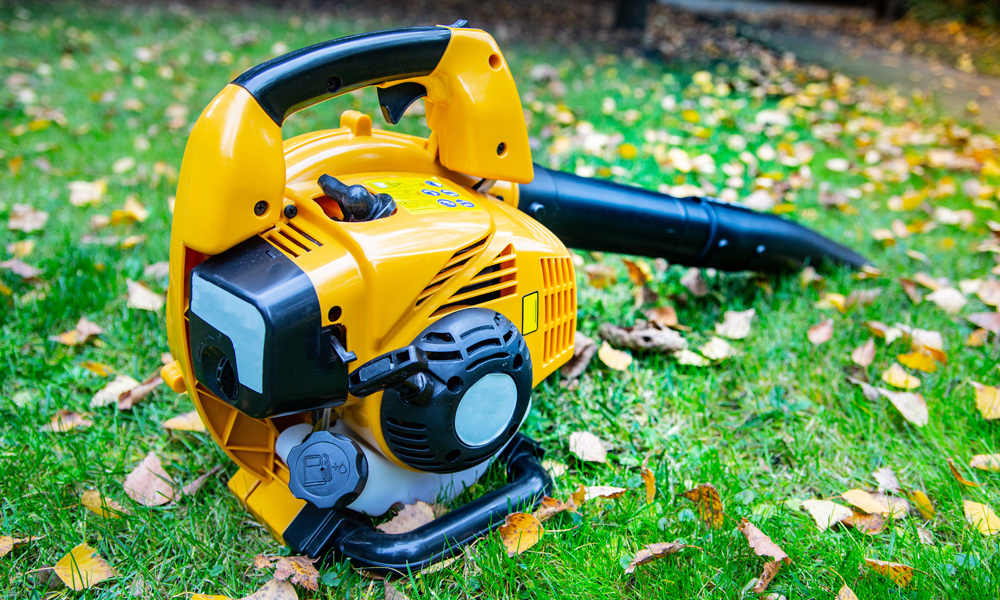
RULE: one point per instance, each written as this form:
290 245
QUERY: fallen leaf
65 420
110 392
142 298
615 359
709 504
189 421
982 518
931 342
735 324
990 321
846 593
157 270
987 401
693 282
21 249
192 488
298 569
148 484
391 593
7 543
864 354
989 292
827 513
600 275
97 368
821 333
925 536
23 217
763 546
687 357
948 299
648 482
83 331
132 396
986 462
647 339
921 361
928 282
977 338
958 476
867 524
577 498
911 405
639 272
860 298
584 350
587 447
889 334
412 516
519 532
923 503
82 568
897 377
899 574
887 480
548 508
910 288
870 392
874 504
662 316
132 212
21 269
717 349
555 468
608 492
654 552
83 193
101 506
276 589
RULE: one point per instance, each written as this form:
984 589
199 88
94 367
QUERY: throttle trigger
395 99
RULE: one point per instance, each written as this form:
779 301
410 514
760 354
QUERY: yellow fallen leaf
897 377
977 338
97 368
846 593
587 447
639 271
897 573
616 359
987 401
709 504
911 405
548 508
864 354
8 543
65 420
923 503
80 334
958 476
986 462
189 421
82 568
520 532
649 483
600 275
827 513
838 301
876 504
132 212
982 518
653 552
921 361
101 506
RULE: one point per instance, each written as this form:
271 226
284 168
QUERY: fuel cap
327 469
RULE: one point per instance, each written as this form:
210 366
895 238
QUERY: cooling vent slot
496 280
558 318
291 239
409 441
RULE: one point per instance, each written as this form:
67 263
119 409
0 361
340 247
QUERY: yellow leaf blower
360 315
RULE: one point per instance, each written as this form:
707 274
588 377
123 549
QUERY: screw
260 208
501 148
291 211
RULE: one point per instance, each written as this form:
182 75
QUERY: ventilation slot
454 265
291 239
497 280
558 310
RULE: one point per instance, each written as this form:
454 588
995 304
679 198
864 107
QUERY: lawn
99 94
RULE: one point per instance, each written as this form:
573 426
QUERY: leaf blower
360 315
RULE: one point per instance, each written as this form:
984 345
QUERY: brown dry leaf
870 392
587 447
864 354
23 217
142 298
910 287
101 506
276 589
927 281
735 324
132 396
709 504
584 350
948 299
911 405
923 503
827 513
82 568
990 321
977 338
926 537
987 401
717 349
391 593
148 484
608 492
989 292
899 574
195 485
931 342
109 393
65 420
412 516
615 359
865 523
548 508
821 333
83 331
921 361
648 482
298 569
600 275
21 269
7 543
887 480
639 271
982 518
653 552
889 334
577 498
519 532
846 593
986 462
897 377
762 546
189 421
693 282
647 339
958 476
662 316
555 468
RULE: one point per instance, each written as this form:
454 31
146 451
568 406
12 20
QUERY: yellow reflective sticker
529 313
423 194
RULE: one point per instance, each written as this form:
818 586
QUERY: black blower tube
591 214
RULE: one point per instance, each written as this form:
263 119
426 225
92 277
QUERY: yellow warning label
422 194
529 313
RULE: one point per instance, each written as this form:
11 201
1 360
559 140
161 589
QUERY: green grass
772 426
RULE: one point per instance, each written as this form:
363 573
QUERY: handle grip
287 84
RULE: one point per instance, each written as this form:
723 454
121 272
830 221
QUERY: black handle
301 78
592 214
339 534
